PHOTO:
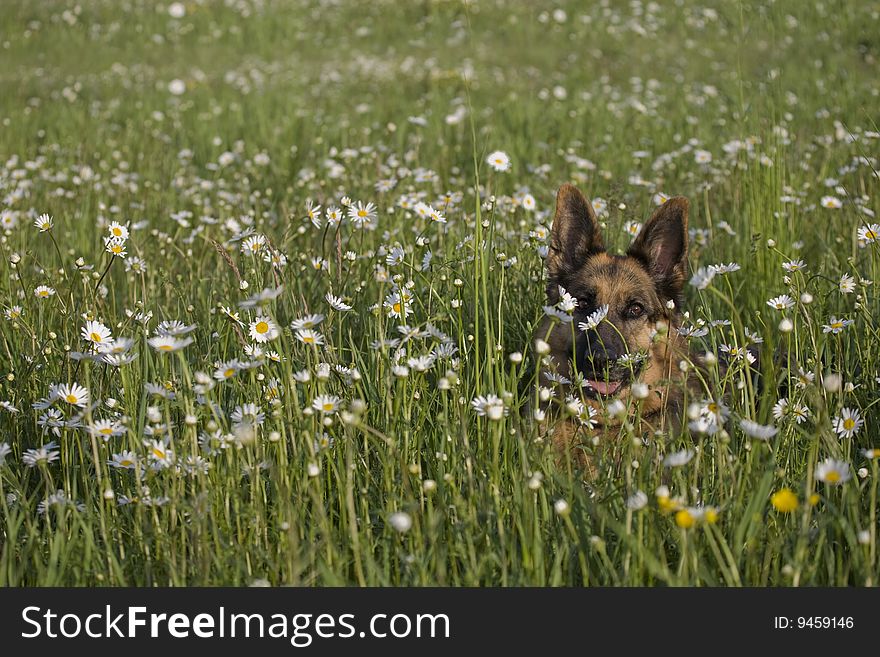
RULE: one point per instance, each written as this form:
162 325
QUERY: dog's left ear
662 247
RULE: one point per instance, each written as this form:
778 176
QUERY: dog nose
601 357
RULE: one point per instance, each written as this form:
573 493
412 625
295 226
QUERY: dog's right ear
575 235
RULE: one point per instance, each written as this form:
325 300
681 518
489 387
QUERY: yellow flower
784 500
814 499
684 519
711 516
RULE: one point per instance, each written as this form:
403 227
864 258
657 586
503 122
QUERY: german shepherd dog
636 343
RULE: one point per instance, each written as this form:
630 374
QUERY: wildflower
584 413
168 343
702 278
556 313
361 214
313 214
707 418
5 449
833 472
794 265
326 403
123 461
685 519
783 408
118 231
160 455
13 312
43 292
756 430
249 414
308 336
693 331
678 459
594 319
490 406
44 455
782 302
639 390
397 306
847 284
561 507
499 161
804 378
44 223
831 202
74 394
637 501
835 325
115 246
725 269
848 423
869 234
307 322
106 429
263 329
174 327
98 334
784 500
689 517
832 382
333 215
400 521
337 303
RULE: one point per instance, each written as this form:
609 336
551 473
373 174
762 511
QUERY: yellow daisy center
833 476
870 235
849 423
228 373
684 519
165 347
71 399
262 327
126 462
362 213
106 431
309 339
117 232
95 337
396 307
328 406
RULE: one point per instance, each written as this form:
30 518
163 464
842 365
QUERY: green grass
615 99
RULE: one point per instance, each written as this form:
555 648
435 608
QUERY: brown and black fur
638 288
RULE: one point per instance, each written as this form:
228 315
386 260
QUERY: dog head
620 298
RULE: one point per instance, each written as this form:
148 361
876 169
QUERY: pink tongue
604 388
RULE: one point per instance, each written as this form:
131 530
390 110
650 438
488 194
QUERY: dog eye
635 310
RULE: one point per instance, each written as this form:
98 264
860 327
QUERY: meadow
271 271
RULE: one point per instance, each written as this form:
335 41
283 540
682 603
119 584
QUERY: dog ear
662 247
575 235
